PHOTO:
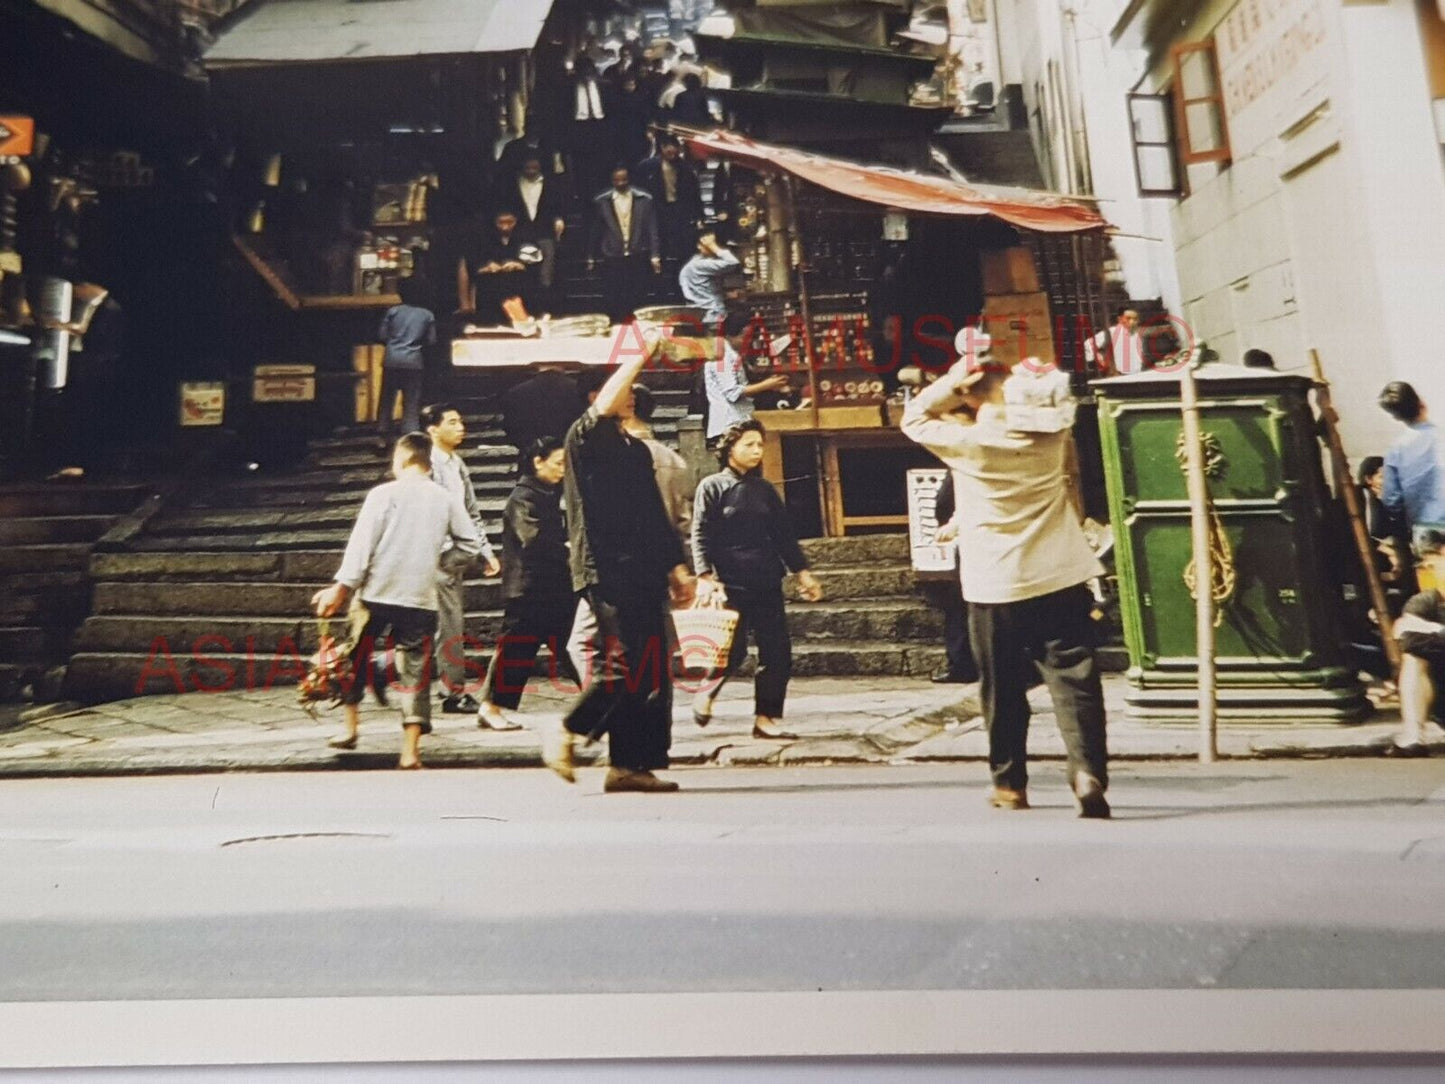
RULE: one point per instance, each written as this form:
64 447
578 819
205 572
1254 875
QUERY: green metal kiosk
1280 655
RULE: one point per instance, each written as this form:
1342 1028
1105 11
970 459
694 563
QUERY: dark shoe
343 742
620 780
948 677
1006 798
772 735
460 704
1089 798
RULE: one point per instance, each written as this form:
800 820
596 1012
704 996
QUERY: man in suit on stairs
625 238
540 204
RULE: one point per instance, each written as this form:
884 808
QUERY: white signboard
203 403
284 384
928 554
1269 51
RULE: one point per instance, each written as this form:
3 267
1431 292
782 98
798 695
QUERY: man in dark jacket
536 583
625 556
493 271
673 185
948 597
540 204
625 238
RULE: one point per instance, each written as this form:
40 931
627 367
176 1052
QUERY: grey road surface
1235 875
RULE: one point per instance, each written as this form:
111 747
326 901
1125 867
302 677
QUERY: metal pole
1203 567
1345 487
805 302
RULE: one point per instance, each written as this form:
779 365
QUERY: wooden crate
1010 271
868 416
1021 326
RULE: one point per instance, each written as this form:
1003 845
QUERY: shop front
365 143
861 280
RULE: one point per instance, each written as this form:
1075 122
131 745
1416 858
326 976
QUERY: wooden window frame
1188 156
1170 143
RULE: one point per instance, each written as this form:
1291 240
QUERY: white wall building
1313 213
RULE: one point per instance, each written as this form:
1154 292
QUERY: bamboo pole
1203 567
1345 487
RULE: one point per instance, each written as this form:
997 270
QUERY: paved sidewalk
837 720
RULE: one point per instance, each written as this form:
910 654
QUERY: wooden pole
1345 487
1203 567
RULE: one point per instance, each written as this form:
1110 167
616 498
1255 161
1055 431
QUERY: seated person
1421 632
494 270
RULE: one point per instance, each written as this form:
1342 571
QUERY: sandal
414 766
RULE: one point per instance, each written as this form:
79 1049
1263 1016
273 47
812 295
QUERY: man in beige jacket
1025 564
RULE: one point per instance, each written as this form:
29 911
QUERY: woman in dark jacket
742 544
536 584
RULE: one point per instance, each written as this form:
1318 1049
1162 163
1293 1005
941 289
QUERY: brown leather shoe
557 754
623 779
1005 798
1089 797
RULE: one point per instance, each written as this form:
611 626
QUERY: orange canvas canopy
917 193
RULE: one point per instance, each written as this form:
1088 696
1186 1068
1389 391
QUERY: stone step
885 581
266 599
843 659
255 521
899 622
105 675
334 539
50 598
360 479
34 643
318 562
38 530
857 549
46 557
351 497
305 566
488 430
68 500
355 459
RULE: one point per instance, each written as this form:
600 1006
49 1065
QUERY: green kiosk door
1280 655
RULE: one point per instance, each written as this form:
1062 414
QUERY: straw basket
704 636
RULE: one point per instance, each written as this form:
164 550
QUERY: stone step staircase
46 536
217 590
207 619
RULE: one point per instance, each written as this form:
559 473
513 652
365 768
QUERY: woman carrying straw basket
742 545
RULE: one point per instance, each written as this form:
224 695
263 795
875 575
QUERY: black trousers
762 611
947 597
527 624
413 634
628 693
1054 633
626 285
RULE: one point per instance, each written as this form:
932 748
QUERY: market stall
865 272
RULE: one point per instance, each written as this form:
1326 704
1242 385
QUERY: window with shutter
1199 104
1156 159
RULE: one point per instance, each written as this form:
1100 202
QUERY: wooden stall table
838 428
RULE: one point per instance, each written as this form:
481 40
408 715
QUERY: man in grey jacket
391 566
444 425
